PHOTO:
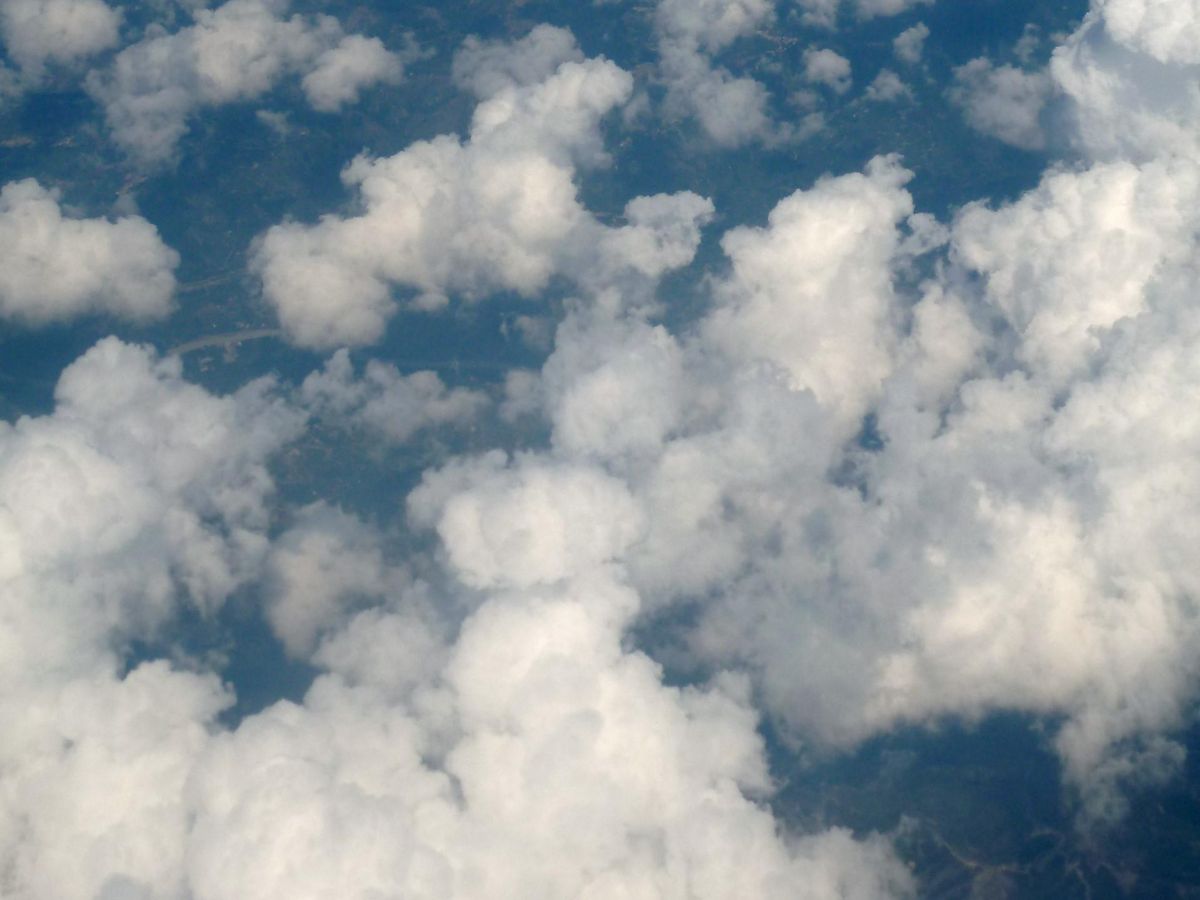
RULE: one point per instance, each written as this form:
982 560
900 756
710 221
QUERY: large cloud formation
896 504
973 494
530 755
138 495
897 470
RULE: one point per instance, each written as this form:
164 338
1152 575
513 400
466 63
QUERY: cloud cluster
1167 32
996 540
897 470
894 502
1123 83
496 212
812 292
234 53
561 767
531 754
55 266
479 727
822 66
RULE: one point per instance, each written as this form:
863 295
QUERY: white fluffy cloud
54 266
812 292
530 755
1168 32
342 71
1127 102
888 493
485 68
907 503
1070 260
887 87
234 53
529 526
41 33
385 402
327 563
138 493
972 561
1003 101
571 772
732 110
467 218
828 68
909 45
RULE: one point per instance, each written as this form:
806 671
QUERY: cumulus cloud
977 542
1073 258
485 68
526 527
327 563
826 67
571 772
384 402
530 755
38 34
1003 101
1168 32
342 71
498 211
909 45
870 9
1128 103
886 87
138 494
55 266
812 292
886 492
234 53
732 110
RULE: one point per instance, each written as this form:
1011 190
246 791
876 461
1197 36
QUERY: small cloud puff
386 403
886 87
1003 101
828 68
341 72
909 45
55 267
